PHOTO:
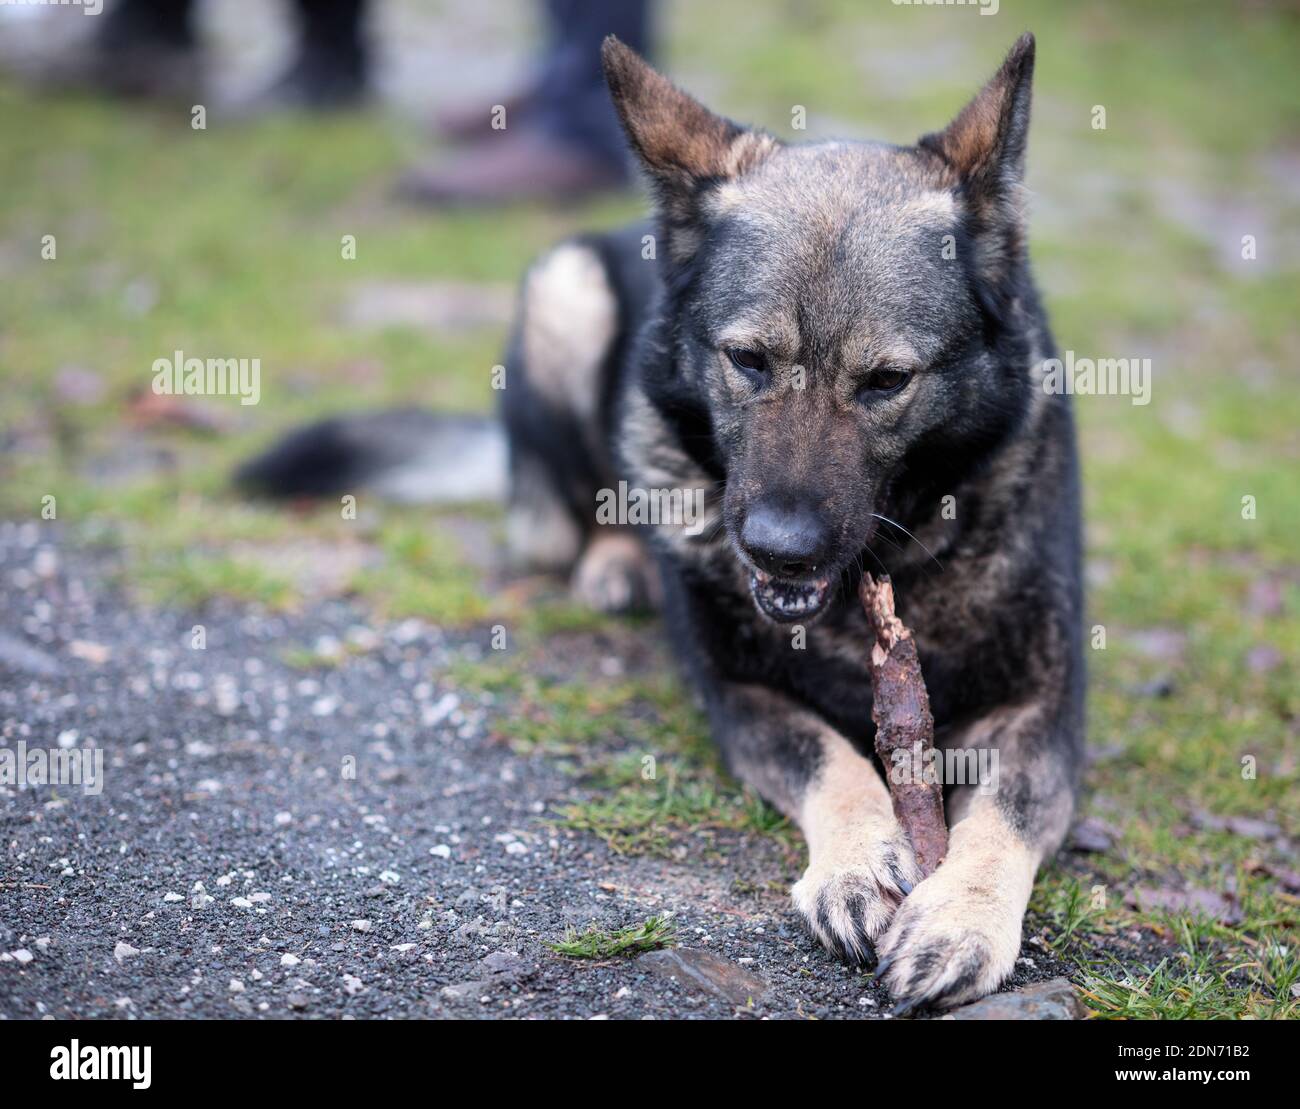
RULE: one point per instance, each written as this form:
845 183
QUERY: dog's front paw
954 939
616 575
850 892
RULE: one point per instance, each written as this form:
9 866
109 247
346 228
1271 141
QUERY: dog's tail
404 455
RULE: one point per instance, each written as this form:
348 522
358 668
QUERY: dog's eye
884 380
749 362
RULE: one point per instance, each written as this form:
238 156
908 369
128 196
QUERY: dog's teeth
787 601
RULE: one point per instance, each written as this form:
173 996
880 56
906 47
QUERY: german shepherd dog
835 343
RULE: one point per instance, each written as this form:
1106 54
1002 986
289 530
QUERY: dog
837 346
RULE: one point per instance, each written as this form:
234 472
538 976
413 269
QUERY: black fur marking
966 978
345 453
856 948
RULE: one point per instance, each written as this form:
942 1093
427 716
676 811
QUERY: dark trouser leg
330 67
154 22
331 33
572 102
143 48
563 141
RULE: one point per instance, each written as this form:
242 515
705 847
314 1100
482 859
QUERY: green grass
423 574
226 242
646 804
640 817
1205 970
640 753
192 581
599 943
1198 983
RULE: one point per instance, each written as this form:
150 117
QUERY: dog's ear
984 154
685 148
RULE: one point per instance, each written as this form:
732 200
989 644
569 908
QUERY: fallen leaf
1245 826
1091 836
1286 878
1195 901
149 409
94 653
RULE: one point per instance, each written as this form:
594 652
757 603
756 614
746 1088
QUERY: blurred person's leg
142 48
165 22
572 103
562 139
329 70
151 48
555 71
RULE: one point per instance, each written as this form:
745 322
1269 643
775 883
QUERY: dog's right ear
684 147
983 150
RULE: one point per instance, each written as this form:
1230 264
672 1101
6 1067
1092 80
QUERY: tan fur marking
856 851
616 573
928 209
970 138
676 136
541 534
570 319
658 464
726 198
972 141
964 921
847 801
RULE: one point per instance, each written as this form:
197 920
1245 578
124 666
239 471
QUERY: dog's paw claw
938 953
846 908
943 977
904 1008
844 915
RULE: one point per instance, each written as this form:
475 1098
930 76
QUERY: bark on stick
901 710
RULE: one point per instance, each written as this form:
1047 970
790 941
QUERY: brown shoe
469 122
512 166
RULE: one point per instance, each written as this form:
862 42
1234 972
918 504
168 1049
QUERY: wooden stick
901 709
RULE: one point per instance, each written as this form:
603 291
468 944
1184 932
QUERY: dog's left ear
685 148
984 152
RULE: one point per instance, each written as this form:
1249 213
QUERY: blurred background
1173 232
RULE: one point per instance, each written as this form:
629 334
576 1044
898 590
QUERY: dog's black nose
786 544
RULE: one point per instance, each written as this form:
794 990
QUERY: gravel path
235 866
